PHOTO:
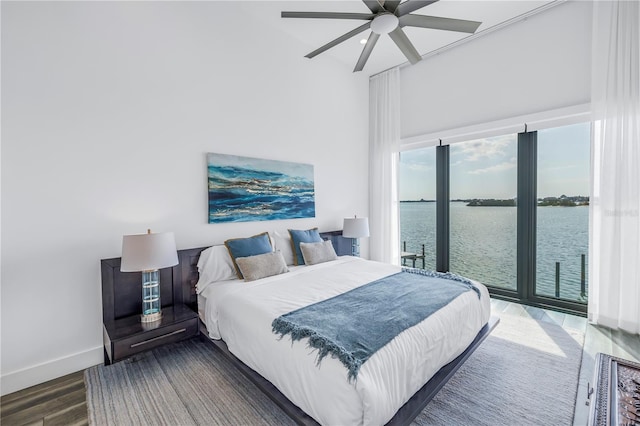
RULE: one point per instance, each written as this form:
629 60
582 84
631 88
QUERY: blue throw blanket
354 325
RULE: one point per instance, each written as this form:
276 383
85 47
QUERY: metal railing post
557 279
583 289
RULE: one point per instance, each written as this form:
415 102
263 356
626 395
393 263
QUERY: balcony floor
597 339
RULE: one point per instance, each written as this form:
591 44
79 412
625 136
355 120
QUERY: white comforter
241 314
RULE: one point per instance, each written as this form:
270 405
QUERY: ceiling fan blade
339 40
388 5
328 15
366 52
437 23
411 6
373 5
391 5
402 41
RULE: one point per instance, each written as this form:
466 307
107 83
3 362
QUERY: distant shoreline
562 201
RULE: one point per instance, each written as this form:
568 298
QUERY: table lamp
148 253
355 228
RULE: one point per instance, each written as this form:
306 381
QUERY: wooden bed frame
180 286
406 413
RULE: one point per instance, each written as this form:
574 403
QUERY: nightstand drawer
154 338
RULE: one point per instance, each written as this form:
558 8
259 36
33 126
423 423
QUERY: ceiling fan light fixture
384 23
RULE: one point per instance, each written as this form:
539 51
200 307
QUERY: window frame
526 233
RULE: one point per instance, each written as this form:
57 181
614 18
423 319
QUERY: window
563 212
482 210
417 194
511 212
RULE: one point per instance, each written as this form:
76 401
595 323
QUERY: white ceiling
314 33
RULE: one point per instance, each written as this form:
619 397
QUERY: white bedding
241 314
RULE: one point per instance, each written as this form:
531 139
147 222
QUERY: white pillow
261 265
283 243
214 265
321 252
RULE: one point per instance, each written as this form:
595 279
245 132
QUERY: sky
486 168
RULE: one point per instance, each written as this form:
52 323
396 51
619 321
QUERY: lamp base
355 247
156 316
151 307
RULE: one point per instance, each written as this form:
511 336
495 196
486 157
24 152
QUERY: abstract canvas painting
244 189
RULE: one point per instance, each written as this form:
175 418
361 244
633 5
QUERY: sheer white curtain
614 265
384 140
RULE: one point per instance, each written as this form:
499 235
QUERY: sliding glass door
483 182
510 211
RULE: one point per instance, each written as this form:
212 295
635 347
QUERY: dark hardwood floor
58 402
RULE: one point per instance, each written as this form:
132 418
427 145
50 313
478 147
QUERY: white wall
539 64
108 111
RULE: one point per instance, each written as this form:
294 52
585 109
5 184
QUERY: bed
392 385
308 392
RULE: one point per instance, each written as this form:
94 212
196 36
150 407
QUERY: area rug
525 373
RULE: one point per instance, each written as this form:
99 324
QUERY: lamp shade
146 252
355 227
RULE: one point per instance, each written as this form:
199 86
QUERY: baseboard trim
30 376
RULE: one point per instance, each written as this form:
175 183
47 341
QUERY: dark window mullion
526 214
442 208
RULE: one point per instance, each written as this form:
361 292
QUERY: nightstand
127 336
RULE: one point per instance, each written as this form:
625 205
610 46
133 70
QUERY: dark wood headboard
121 291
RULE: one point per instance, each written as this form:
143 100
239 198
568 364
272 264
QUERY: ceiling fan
387 17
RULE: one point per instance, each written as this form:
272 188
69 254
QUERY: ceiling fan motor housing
384 23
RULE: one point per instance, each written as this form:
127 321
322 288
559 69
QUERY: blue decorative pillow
245 247
297 237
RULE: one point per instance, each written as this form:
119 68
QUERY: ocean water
483 243
238 194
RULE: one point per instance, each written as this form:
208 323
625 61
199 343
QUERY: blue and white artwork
244 189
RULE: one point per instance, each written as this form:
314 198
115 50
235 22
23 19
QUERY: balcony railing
583 281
